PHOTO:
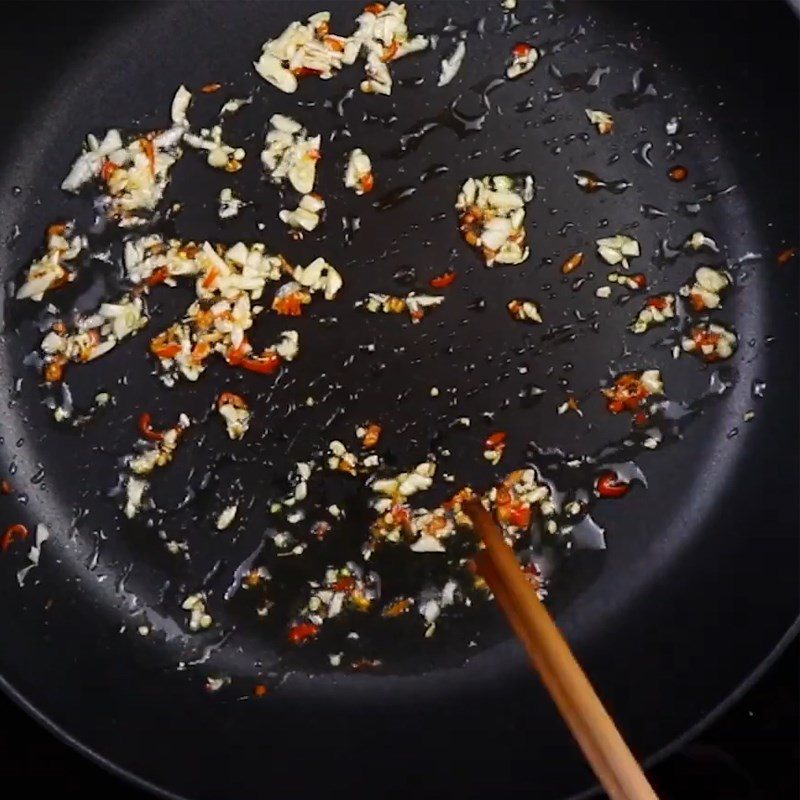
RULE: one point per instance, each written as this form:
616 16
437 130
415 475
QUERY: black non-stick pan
697 585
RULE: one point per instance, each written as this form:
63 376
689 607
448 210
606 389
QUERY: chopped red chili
495 440
658 302
302 632
13 532
108 169
609 485
158 275
146 429
627 394
443 280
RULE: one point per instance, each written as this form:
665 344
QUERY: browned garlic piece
219 154
602 120
618 249
235 413
199 618
92 336
710 341
132 174
704 293
524 310
523 59
319 276
229 204
310 49
656 311
290 153
383 36
49 272
358 173
491 212
698 240
305 50
306 216
417 305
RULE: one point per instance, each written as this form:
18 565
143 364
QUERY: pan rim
135 779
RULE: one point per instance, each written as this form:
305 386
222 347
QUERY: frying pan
697 588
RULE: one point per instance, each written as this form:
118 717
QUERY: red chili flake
503 496
521 50
108 169
236 355
345 584
609 485
678 174
627 394
375 8
54 370
495 441
290 305
13 532
233 399
461 496
168 350
259 690
397 608
210 278
158 275
696 301
519 514
703 338
210 88
146 428
305 72
401 515
658 302
390 52
150 151
641 419
57 228
443 280
367 182
785 256
302 632
5 487
333 43
640 280
572 263
265 364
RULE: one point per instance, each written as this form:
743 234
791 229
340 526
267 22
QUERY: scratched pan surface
698 583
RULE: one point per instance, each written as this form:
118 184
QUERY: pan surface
698 583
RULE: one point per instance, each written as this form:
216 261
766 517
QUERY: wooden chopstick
593 729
